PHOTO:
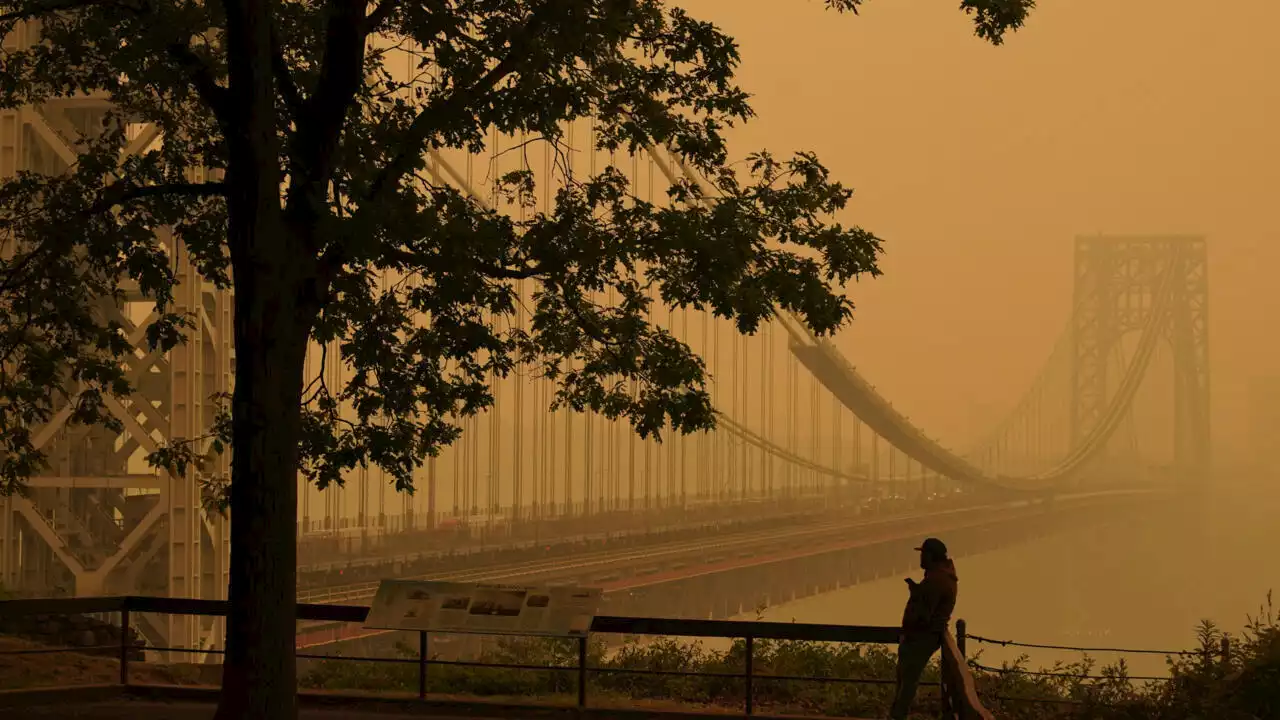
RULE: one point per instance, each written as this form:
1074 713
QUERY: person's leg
913 658
901 692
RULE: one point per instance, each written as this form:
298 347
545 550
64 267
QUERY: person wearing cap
924 621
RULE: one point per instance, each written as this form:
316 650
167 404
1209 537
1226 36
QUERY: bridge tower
100 520
1116 282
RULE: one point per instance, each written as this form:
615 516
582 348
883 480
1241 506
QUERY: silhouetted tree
292 163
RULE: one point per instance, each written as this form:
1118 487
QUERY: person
924 621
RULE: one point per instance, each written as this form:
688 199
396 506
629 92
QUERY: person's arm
909 611
912 615
926 599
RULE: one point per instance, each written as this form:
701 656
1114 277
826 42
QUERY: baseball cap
934 547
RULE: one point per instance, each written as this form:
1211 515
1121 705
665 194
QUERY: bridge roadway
326 557
582 566
630 577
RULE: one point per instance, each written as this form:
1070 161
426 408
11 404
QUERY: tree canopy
351 158
293 164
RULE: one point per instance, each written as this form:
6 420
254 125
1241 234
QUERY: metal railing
959 698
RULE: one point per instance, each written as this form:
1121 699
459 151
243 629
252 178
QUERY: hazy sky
979 165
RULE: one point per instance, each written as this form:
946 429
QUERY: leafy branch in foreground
423 351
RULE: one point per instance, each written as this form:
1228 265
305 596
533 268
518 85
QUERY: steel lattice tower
1116 282
100 521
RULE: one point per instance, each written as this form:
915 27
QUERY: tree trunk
259 680
275 308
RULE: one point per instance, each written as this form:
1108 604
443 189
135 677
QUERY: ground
148 710
21 666
27 665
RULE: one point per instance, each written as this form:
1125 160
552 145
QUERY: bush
1205 685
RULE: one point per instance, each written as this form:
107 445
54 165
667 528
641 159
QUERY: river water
1146 583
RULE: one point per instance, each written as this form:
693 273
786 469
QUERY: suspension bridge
809 459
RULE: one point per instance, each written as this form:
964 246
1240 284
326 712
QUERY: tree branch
496 272
17 268
425 123
284 77
411 146
122 192
201 76
380 14
323 119
590 327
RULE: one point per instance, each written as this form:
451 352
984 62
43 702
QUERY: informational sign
491 609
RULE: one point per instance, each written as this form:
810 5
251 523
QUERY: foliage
709 685
992 18
351 144
1201 685
350 138
1246 685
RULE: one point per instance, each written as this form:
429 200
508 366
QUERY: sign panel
492 609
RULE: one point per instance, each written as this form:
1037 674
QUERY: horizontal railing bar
175 606
674 627
56 650
829 679
159 648
495 666
745 628
61 606
394 661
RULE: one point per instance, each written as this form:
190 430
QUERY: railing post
582 671
1226 653
422 664
961 631
124 645
750 655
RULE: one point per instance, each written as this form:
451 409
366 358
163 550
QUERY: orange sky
979 165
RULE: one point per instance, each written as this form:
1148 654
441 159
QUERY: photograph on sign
498 603
497 609
455 602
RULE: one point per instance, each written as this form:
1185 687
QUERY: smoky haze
979 165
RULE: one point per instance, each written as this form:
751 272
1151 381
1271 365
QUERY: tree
313 159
